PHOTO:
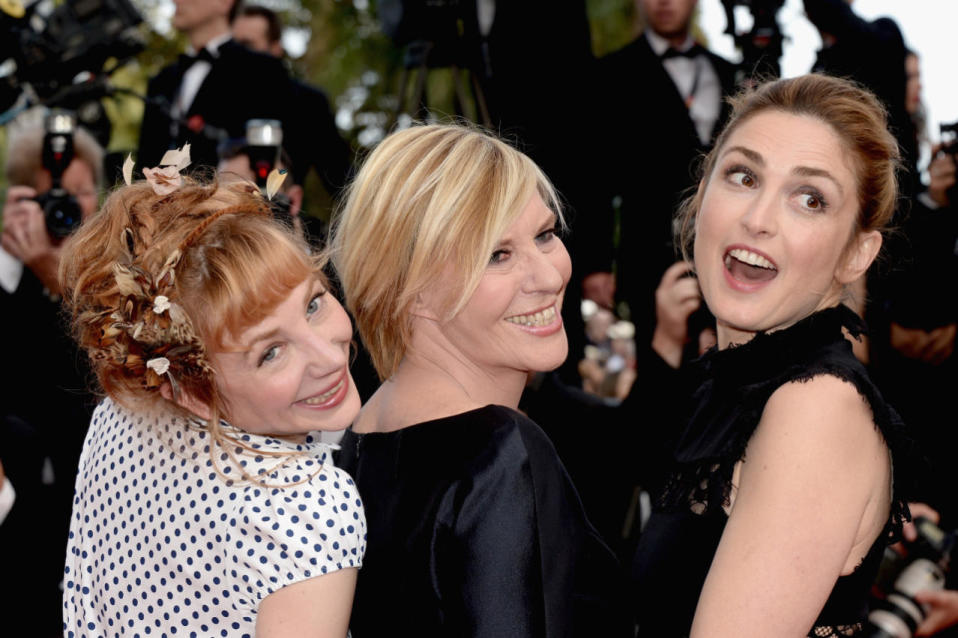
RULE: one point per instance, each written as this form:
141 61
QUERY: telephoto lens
925 567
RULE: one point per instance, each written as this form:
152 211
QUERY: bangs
248 275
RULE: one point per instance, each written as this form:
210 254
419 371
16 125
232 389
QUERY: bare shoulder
824 407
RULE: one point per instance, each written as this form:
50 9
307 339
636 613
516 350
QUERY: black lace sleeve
735 385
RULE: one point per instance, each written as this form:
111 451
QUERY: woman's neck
434 381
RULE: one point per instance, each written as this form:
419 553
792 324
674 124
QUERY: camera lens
61 211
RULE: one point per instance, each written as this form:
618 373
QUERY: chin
344 414
555 358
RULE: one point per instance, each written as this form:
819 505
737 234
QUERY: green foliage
347 54
613 24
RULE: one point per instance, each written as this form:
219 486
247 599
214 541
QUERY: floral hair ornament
274 181
128 169
166 177
161 304
159 365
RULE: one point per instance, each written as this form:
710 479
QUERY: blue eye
314 304
546 236
271 353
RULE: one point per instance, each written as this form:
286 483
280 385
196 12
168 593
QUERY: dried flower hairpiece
159 365
166 177
128 169
274 181
161 304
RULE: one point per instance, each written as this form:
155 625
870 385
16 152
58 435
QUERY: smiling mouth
745 265
325 396
535 319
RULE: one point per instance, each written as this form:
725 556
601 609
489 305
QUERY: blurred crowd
621 150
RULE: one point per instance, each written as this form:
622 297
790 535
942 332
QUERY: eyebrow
269 334
808 171
803 171
747 152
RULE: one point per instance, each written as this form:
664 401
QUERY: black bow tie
693 51
186 61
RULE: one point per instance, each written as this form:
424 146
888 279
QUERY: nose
549 271
761 216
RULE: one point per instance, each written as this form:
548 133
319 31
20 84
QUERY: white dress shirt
696 81
11 271
194 76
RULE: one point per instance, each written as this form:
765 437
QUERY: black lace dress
680 540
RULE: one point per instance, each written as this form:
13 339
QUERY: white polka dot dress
162 545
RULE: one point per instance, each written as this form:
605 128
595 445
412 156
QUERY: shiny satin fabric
474 529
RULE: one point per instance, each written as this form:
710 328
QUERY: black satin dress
683 533
474 529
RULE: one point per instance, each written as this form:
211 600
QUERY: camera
264 147
949 137
59 54
762 45
923 568
949 144
61 210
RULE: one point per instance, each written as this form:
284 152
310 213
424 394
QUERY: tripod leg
485 120
400 98
460 99
421 109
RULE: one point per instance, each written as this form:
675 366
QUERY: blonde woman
448 251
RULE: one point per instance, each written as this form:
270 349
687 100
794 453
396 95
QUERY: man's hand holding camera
25 236
941 174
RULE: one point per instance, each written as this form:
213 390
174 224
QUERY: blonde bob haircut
429 204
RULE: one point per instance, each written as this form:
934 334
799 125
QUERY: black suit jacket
650 155
316 142
871 53
240 86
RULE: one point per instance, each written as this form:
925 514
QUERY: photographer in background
206 96
666 92
919 371
319 145
940 606
45 411
236 159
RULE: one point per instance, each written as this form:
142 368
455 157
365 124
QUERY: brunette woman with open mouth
784 492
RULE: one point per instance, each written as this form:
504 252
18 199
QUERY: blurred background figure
318 145
46 407
664 94
204 98
7 495
918 365
873 54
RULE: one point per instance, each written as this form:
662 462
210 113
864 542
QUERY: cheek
339 327
563 263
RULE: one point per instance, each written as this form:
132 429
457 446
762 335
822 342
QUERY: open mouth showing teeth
325 396
541 318
745 265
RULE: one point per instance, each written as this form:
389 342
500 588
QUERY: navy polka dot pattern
163 545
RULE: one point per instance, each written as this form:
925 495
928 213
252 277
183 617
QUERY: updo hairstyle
167 279
428 200
854 114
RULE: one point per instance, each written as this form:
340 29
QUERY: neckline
767 352
426 424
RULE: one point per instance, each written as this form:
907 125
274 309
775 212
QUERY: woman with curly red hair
203 503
